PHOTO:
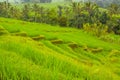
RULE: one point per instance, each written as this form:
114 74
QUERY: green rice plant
22 58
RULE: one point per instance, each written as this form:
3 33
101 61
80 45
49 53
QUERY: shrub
62 21
96 29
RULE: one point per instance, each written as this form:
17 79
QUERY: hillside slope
31 51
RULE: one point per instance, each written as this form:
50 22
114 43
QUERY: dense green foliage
72 15
32 51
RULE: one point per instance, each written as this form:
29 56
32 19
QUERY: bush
96 29
62 21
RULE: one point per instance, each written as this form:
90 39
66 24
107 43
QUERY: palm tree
114 9
36 11
92 9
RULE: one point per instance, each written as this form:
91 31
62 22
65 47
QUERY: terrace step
23 34
37 38
57 41
73 45
3 31
93 50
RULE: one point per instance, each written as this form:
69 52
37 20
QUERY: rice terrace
59 39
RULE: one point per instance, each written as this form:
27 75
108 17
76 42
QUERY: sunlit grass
22 58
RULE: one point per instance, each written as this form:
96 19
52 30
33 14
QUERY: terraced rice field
32 51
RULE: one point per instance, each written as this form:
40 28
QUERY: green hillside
32 51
